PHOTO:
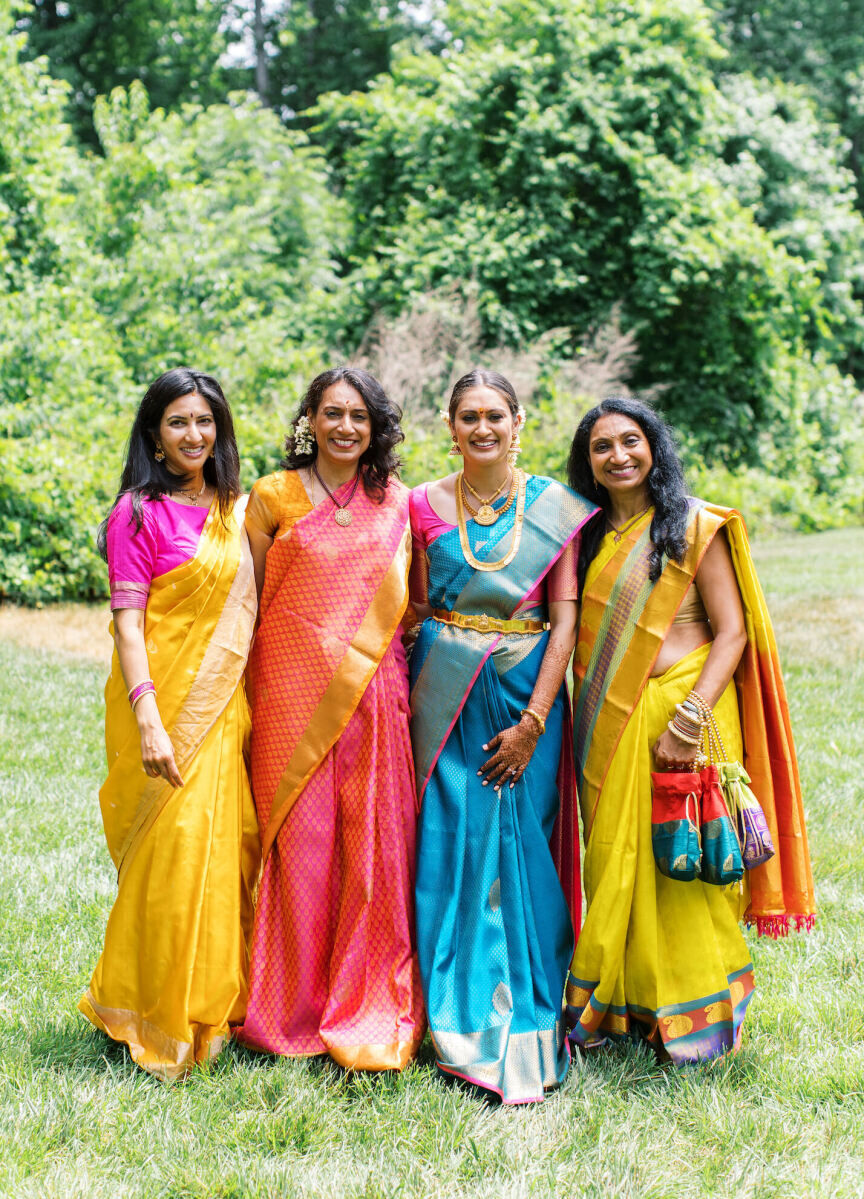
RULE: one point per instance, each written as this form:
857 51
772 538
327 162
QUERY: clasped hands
513 749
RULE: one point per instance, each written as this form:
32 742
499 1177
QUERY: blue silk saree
498 889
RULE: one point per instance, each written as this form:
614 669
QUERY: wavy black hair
378 461
144 476
666 485
483 378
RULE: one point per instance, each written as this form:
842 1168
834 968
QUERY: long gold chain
517 527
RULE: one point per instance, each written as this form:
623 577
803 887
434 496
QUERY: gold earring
515 450
160 453
455 452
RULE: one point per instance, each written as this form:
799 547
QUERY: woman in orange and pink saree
498 890
673 623
176 805
334 967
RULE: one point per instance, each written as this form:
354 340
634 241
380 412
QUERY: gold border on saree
489 624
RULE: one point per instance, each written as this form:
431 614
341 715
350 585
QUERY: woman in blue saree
498 894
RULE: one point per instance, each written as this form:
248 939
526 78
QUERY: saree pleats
493 927
334 968
657 956
172 976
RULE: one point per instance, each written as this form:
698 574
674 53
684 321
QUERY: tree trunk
262 77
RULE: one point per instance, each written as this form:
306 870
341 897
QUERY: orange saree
334 967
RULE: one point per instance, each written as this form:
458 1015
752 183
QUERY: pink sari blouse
168 537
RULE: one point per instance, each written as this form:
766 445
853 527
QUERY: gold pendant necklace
625 528
342 516
521 481
189 497
485 514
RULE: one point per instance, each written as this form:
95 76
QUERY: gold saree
173 973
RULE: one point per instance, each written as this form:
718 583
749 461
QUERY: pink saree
334 966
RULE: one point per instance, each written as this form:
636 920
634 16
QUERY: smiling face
620 457
342 425
483 425
187 434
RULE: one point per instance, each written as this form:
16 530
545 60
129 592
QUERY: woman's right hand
157 752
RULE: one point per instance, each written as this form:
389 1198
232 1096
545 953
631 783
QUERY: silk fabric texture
496 871
172 976
334 967
658 956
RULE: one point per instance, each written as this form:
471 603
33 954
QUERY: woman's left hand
671 753
513 749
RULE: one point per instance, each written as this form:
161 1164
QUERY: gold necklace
521 483
619 533
342 516
189 496
486 514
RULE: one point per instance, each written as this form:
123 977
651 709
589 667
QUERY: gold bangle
536 717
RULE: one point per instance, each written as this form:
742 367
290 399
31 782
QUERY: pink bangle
141 690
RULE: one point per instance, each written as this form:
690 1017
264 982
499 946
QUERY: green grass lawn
784 1117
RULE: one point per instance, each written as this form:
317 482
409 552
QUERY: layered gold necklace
485 514
520 482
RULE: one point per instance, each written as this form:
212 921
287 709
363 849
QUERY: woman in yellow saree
672 614
176 806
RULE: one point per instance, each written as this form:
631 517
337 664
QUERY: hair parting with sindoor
144 477
666 486
483 378
379 460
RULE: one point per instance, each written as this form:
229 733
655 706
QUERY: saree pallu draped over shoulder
658 956
333 964
173 973
498 889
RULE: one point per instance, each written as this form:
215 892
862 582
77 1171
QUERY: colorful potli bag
753 833
722 862
674 824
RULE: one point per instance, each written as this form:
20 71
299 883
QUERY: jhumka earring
515 450
160 453
455 452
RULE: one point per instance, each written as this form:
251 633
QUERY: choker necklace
486 514
342 516
520 480
628 524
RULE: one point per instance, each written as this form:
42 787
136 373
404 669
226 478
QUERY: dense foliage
519 183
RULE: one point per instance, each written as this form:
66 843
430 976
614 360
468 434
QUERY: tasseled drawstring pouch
674 824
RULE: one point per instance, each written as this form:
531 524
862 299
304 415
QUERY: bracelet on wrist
137 693
536 717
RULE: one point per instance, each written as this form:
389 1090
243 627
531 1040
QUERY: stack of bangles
140 690
690 718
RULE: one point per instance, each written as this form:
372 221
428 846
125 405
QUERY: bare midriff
680 641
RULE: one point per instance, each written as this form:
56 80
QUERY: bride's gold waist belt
489 624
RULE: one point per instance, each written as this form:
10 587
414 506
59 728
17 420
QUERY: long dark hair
665 481
144 476
483 378
378 461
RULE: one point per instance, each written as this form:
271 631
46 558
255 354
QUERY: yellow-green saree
657 956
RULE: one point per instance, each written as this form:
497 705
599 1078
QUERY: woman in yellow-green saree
672 614
176 805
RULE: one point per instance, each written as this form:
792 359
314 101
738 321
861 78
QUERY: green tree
172 46
573 169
